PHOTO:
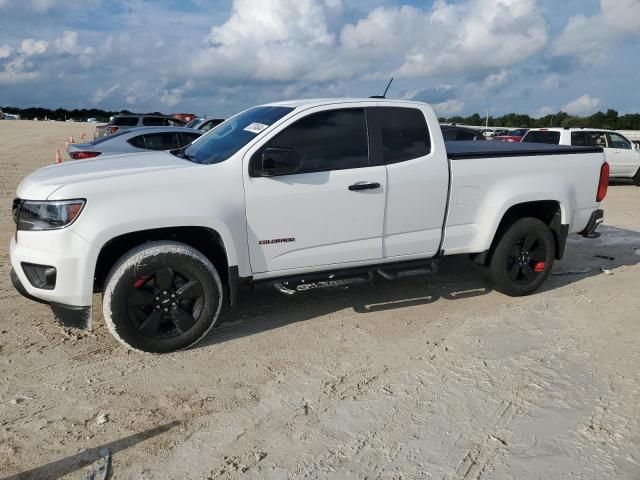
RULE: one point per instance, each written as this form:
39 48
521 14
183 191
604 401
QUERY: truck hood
43 182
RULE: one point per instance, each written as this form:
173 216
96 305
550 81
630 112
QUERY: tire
636 178
522 258
161 297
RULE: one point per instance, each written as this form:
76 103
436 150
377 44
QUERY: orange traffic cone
71 140
58 157
83 135
66 145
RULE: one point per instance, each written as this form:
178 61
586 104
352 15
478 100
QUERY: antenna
384 95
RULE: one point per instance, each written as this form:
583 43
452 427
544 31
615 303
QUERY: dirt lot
428 377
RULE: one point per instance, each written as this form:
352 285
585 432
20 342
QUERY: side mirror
277 161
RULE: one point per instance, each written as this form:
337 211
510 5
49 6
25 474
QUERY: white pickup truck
302 191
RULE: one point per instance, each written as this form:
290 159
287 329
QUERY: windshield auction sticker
255 127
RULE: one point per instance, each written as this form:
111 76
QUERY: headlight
43 215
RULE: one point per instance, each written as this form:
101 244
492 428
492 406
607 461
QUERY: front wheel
636 178
523 257
161 297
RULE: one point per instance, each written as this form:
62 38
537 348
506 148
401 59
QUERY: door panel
314 219
417 182
624 160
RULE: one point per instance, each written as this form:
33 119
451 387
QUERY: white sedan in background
135 140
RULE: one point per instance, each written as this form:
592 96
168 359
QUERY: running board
346 277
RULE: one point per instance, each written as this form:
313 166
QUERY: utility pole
488 108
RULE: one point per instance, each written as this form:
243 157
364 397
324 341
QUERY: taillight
111 129
83 155
603 184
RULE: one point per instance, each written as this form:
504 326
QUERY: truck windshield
233 134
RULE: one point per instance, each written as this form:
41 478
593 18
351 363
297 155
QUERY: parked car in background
125 122
456 133
512 135
623 158
204 123
135 140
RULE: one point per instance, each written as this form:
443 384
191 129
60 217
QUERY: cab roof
318 102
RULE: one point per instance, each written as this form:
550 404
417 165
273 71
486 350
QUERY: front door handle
364 186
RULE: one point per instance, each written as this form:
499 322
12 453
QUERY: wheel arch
549 212
204 239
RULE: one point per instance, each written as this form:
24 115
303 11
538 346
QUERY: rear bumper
67 315
594 221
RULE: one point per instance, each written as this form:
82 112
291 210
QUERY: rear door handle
364 186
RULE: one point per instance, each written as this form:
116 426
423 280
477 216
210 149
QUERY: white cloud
17 71
449 107
171 97
100 94
449 38
584 105
269 40
496 80
5 51
292 40
544 111
589 37
66 43
30 46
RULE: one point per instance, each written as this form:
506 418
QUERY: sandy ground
428 377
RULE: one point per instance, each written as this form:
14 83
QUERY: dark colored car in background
457 133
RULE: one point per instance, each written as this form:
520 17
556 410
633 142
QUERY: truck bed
485 149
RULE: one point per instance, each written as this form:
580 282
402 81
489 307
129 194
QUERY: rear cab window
542 136
404 134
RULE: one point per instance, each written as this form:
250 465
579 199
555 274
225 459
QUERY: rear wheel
162 297
523 257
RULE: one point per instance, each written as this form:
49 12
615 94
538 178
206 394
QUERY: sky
219 57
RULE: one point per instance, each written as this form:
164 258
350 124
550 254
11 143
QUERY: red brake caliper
539 267
141 281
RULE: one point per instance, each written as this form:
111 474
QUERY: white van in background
622 155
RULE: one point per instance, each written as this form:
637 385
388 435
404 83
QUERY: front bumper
67 315
595 220
74 259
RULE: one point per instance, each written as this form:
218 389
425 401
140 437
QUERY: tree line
609 120
62 114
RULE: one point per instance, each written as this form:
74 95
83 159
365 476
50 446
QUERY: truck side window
404 132
332 140
596 139
618 141
578 139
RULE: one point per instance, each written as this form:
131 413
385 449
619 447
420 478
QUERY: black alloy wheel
166 303
522 258
161 297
